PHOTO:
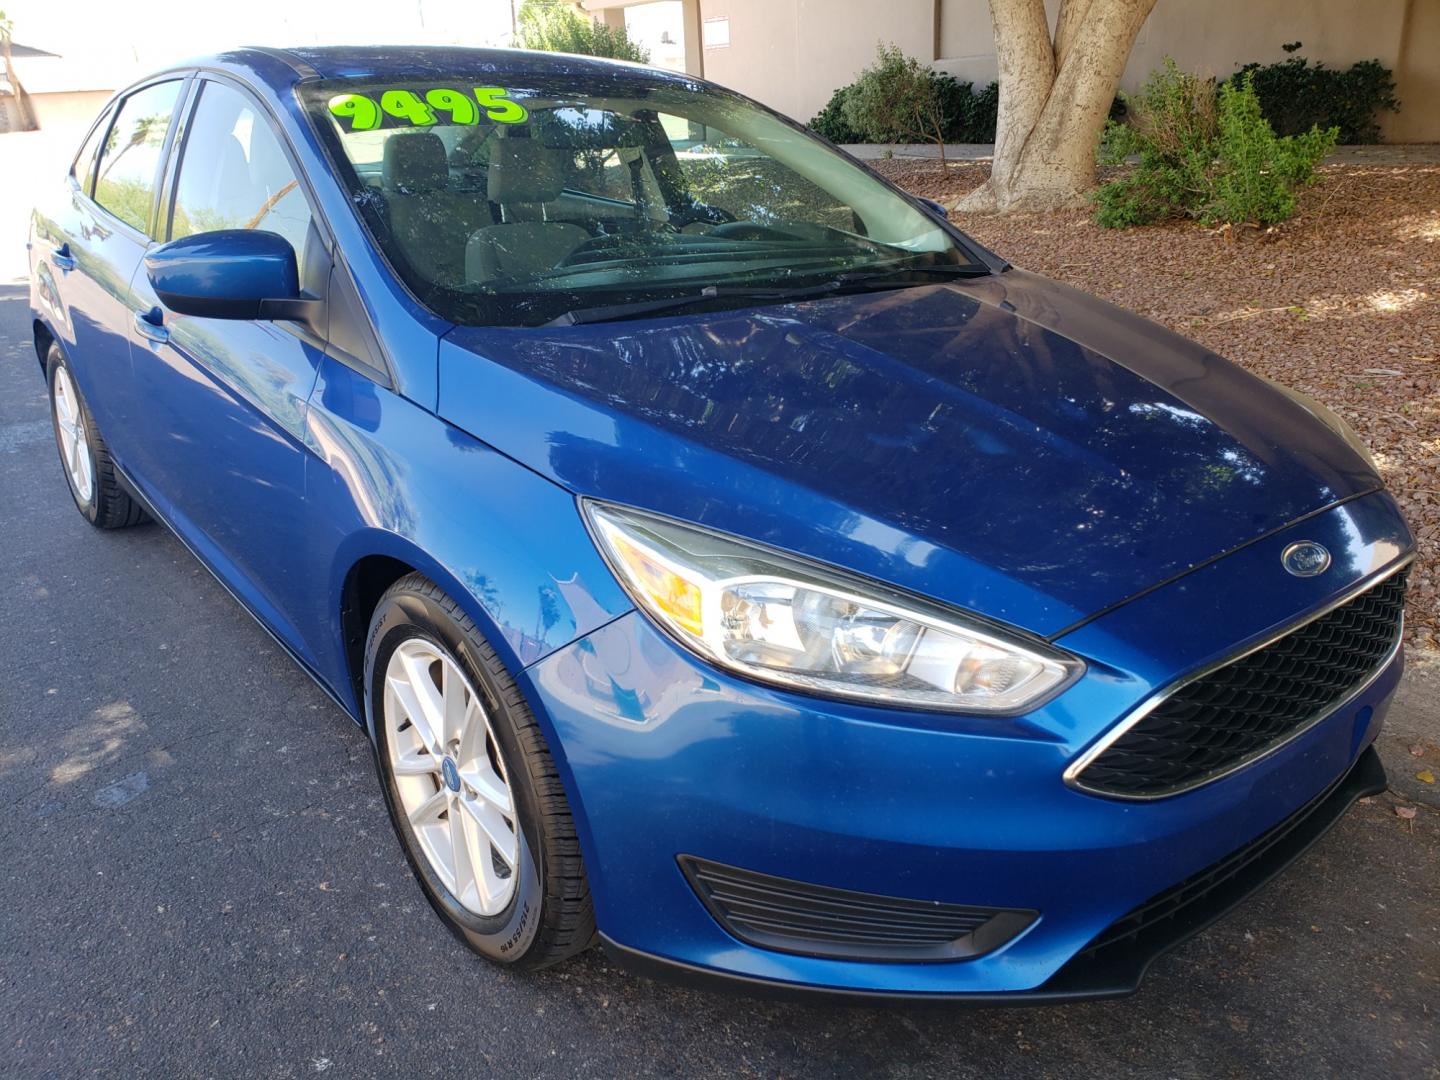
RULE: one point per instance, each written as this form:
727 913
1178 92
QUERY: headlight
783 620
1331 419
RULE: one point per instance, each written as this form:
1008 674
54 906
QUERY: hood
1011 446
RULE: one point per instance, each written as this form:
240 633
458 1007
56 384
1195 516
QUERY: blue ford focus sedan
731 561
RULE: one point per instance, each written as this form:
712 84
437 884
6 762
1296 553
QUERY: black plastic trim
799 917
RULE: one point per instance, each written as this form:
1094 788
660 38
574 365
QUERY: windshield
512 205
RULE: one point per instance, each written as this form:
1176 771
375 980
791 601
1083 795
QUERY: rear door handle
62 258
148 325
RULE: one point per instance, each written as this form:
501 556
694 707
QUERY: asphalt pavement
198 879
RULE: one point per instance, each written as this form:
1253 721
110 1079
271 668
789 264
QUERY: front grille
816 920
1237 712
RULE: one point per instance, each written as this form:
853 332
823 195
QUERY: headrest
415 162
230 183
524 171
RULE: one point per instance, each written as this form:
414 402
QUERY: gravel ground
1341 302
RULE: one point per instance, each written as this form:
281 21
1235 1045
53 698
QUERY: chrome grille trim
1073 773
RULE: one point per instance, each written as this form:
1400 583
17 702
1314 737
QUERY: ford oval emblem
1305 558
451 773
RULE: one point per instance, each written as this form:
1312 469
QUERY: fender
384 479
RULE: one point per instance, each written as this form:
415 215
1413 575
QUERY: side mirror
228 274
934 207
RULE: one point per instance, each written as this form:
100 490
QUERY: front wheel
472 790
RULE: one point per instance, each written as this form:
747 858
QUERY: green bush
1203 155
967 115
895 99
1297 95
1260 171
558 26
1173 131
830 121
954 109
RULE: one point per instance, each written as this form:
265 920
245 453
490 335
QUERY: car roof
278 67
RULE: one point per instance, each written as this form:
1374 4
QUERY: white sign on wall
715 33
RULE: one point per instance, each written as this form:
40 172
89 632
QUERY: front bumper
664 756
1112 965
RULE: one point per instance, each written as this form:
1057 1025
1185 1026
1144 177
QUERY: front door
224 400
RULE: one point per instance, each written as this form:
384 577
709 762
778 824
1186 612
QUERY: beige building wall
68 109
1417 73
792 54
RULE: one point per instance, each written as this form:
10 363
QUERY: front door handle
148 325
62 258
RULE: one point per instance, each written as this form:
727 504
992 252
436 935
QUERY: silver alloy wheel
74 443
450 777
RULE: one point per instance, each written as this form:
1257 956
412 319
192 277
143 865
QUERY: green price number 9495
360 112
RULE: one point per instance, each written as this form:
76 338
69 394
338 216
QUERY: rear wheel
472 790
89 469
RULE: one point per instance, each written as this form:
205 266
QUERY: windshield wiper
893 273
616 312
855 281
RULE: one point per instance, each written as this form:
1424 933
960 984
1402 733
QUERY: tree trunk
1054 98
24 112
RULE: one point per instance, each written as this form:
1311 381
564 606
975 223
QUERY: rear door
88 250
225 400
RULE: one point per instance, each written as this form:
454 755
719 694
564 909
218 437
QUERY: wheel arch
364 584
43 338
368 566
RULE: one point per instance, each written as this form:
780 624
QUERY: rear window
125 179
84 171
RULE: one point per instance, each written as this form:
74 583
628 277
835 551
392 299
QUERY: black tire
550 917
108 505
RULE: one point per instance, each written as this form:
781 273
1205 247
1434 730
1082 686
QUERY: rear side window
234 174
85 162
125 179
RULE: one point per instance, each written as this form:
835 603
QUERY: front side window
234 174
125 178
520 204
84 171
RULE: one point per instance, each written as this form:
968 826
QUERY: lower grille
1116 959
815 920
1171 904
1237 712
